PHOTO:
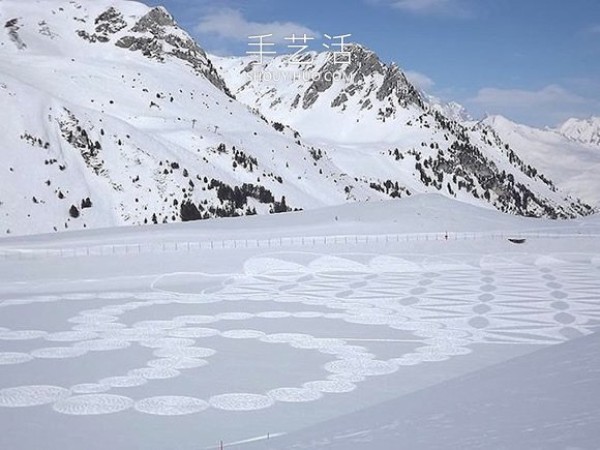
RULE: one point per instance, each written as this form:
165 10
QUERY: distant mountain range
113 115
568 154
586 131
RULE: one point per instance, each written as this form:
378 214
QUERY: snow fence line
307 241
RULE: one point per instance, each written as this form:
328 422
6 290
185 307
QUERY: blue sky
534 61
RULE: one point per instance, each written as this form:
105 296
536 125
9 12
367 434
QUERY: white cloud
228 23
547 106
457 8
419 79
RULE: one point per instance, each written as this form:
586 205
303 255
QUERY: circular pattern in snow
234 316
193 333
93 319
243 334
184 352
356 288
241 402
195 319
273 315
179 363
347 377
167 343
93 404
58 352
366 367
156 325
308 315
370 319
99 327
294 395
24 396
124 382
8 358
260 265
432 354
103 345
154 373
171 405
22 335
89 388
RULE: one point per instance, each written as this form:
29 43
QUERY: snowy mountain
452 110
376 126
573 165
586 131
113 115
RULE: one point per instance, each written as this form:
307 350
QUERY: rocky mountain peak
156 35
155 21
364 77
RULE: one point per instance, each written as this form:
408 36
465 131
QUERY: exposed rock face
12 27
396 84
320 85
149 47
167 40
110 22
156 35
79 139
363 70
155 22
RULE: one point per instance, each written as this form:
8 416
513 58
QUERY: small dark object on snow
517 241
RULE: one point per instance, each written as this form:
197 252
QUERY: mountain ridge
116 116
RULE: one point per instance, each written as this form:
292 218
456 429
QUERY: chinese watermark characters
261 47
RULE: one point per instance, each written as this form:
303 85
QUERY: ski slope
186 347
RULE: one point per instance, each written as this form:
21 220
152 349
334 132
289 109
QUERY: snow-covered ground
544 400
151 338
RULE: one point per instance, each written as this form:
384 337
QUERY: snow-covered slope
111 101
377 127
586 131
505 406
574 166
113 115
